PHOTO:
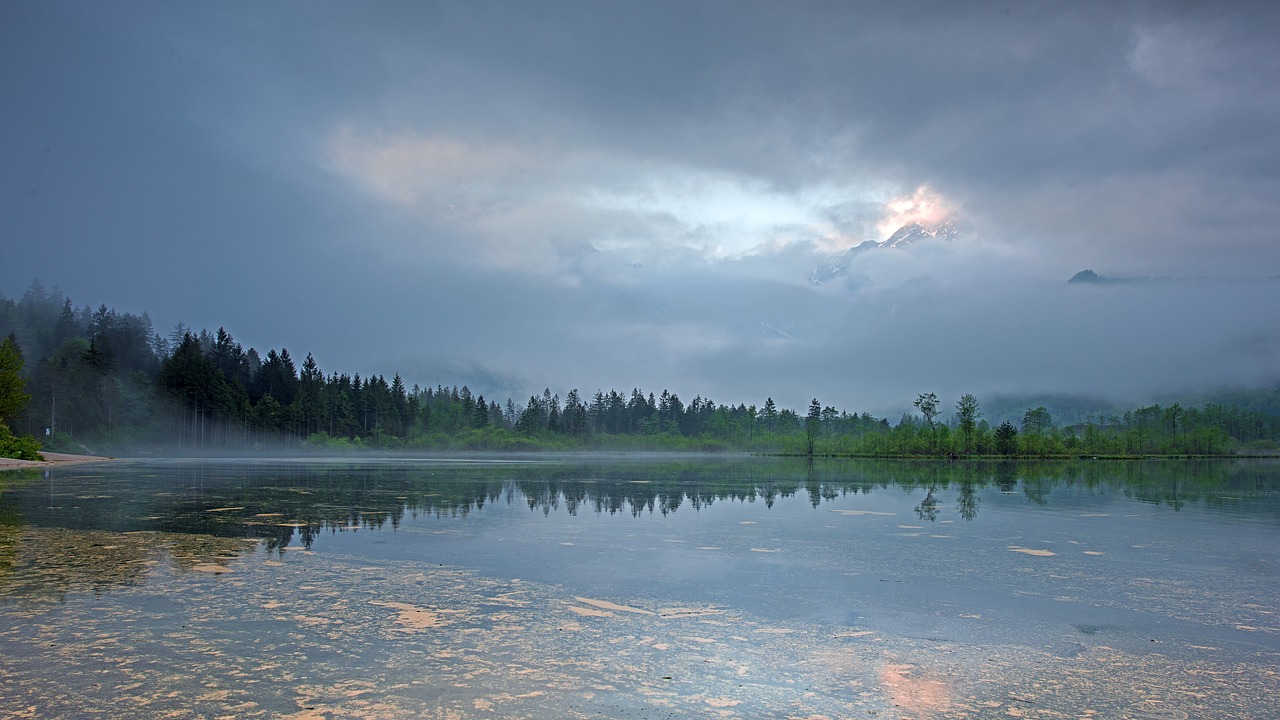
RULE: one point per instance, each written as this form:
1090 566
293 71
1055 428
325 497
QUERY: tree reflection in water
283 503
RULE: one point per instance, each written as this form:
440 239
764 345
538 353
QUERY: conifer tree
13 387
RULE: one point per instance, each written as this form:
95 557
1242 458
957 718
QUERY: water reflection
660 589
927 509
121 509
279 503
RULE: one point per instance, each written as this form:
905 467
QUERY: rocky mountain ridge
949 229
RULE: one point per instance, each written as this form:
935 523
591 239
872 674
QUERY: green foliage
967 414
812 422
927 404
22 448
60 442
105 378
320 441
1036 421
1006 439
13 387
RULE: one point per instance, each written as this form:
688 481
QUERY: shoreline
53 458
50 458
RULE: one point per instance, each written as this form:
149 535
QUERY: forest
98 380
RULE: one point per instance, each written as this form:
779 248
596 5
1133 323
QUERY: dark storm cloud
569 193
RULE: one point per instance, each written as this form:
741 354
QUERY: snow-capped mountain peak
948 229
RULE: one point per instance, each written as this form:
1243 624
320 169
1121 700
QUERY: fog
948 321
518 196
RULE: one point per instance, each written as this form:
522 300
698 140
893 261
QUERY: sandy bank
50 458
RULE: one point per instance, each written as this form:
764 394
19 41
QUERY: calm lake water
640 588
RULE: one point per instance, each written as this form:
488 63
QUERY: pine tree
1007 439
13 387
769 414
812 422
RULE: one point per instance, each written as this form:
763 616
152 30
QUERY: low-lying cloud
629 194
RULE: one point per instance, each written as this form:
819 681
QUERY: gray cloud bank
519 195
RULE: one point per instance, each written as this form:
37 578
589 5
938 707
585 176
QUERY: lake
640 587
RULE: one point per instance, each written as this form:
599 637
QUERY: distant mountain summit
1088 276
949 229
915 232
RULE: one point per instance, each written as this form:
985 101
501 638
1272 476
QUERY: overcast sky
517 195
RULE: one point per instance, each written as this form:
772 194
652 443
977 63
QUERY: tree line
81 378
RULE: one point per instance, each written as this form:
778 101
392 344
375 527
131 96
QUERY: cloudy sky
517 195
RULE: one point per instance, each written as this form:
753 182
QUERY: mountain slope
949 229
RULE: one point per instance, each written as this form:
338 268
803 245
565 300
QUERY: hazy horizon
566 194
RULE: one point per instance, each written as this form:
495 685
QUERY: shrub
22 448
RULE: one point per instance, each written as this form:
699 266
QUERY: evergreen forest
98 380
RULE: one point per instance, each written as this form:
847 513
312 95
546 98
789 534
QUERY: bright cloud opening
522 206
925 206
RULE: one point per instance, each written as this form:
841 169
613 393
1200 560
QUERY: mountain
1088 276
949 229
914 232
840 265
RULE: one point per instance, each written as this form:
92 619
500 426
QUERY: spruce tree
13 387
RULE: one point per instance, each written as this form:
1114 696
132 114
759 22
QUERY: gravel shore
50 458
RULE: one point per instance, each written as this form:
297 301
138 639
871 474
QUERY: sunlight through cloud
513 202
925 206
